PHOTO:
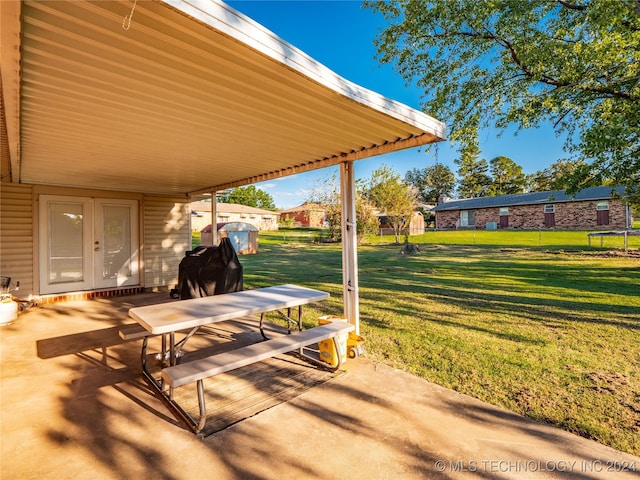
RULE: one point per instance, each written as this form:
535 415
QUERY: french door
87 243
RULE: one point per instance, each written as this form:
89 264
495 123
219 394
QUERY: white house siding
16 235
232 212
260 221
167 237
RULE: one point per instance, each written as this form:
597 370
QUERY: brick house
591 208
309 214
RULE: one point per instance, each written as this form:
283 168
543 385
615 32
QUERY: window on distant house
602 213
549 216
504 217
467 218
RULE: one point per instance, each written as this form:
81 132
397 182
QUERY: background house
232 212
416 226
309 214
591 208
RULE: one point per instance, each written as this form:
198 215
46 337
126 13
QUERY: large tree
393 197
507 176
473 178
573 63
432 182
251 197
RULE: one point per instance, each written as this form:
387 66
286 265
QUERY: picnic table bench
189 315
197 370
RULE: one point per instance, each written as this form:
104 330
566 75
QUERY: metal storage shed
243 236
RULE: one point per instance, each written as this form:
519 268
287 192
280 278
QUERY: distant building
243 236
309 214
416 226
232 212
591 208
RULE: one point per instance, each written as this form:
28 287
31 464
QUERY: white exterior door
87 244
115 244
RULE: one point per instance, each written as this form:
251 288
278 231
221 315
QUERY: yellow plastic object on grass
326 348
355 345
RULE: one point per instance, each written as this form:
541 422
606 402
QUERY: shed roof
237 227
231 227
534 198
193 97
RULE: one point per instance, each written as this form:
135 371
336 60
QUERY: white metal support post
349 242
214 219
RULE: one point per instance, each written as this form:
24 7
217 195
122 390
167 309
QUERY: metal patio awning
193 97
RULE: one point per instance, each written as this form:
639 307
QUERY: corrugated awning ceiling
193 96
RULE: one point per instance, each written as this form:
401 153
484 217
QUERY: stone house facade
592 208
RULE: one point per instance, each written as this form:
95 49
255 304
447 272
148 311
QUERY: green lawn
571 239
551 333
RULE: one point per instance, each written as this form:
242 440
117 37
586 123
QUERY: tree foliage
507 177
574 63
393 197
432 182
473 178
251 197
554 177
327 194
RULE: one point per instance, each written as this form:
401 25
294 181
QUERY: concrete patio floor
73 406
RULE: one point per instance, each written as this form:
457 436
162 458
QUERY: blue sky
340 35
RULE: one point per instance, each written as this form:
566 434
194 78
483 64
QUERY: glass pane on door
115 244
116 251
66 243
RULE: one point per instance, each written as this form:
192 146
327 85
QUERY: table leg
159 388
264 336
287 317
